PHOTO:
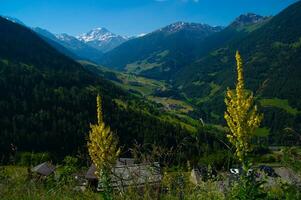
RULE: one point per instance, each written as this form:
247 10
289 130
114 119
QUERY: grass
4 61
17 186
296 44
173 104
143 85
128 81
140 66
86 62
279 103
120 103
188 125
163 53
175 183
143 65
177 112
214 89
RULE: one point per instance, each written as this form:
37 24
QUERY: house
136 175
126 173
44 169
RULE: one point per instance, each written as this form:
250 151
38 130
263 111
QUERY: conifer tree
102 147
241 115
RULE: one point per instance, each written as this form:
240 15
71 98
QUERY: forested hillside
47 101
272 55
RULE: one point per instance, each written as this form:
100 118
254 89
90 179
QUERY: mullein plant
103 150
241 116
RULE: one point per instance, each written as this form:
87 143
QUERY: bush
292 158
70 166
247 188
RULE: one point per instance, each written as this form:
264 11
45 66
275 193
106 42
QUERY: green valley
157 109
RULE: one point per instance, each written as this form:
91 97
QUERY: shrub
70 166
247 188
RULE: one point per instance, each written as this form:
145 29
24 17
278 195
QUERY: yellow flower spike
241 117
102 144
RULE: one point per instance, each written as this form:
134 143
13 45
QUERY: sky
131 17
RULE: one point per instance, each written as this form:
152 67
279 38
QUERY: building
44 169
127 173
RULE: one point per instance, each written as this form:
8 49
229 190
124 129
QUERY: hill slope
272 55
161 53
47 100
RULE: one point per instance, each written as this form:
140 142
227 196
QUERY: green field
143 85
279 103
214 89
140 66
173 104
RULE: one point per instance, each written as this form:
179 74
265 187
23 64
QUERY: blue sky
131 17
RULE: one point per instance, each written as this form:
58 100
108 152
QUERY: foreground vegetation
16 184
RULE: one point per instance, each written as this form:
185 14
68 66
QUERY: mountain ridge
72 44
101 39
160 53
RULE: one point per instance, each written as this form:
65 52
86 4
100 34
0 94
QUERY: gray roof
125 161
131 174
44 169
120 162
90 175
136 174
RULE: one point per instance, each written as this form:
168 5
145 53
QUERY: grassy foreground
14 184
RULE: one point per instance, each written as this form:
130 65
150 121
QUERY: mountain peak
101 39
248 19
180 25
97 34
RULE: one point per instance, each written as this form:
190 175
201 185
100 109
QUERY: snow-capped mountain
185 26
71 43
102 39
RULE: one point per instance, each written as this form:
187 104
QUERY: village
128 173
